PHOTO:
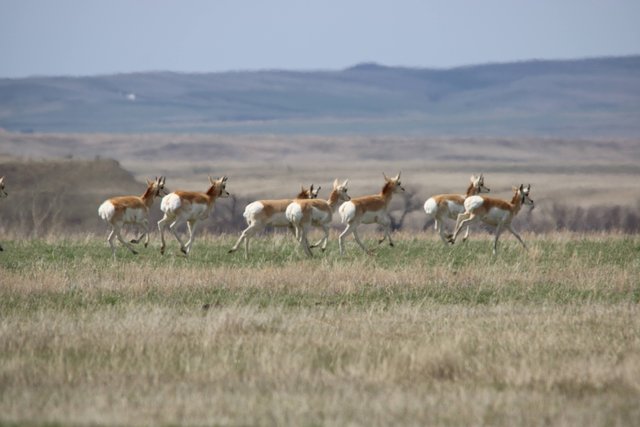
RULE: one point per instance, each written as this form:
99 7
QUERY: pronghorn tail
251 210
106 211
430 207
347 212
294 213
170 203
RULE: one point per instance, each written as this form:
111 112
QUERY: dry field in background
419 334
577 184
578 172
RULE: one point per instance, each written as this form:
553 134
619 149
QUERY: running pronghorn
451 205
494 212
189 207
262 213
303 213
369 210
130 210
3 194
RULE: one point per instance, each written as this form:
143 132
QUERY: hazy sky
86 37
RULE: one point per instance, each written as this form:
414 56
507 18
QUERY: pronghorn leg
510 228
247 233
161 226
345 233
385 221
499 229
466 235
462 219
324 239
112 236
173 228
304 242
441 231
242 238
145 234
191 225
359 242
325 228
1 248
116 229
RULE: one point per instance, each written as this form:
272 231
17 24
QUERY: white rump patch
170 203
473 202
252 209
294 213
106 211
347 212
430 207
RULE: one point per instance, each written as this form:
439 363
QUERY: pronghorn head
313 193
2 192
157 187
341 190
308 193
392 185
478 184
218 187
523 193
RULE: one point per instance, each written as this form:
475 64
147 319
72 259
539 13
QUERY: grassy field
419 334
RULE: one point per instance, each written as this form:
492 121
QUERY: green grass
512 276
421 333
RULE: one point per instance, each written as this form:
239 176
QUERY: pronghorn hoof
134 241
161 251
391 244
134 252
230 251
146 244
184 251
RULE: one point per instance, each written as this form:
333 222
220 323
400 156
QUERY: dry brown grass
419 334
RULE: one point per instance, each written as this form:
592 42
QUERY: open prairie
419 334
580 185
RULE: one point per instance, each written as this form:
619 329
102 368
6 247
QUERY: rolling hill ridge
578 98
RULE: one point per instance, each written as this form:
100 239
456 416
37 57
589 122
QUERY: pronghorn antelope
189 207
451 205
262 213
122 210
3 194
369 210
303 213
495 212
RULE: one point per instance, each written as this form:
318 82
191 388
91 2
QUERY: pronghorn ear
344 184
514 188
224 178
335 183
386 178
211 181
521 187
397 178
149 182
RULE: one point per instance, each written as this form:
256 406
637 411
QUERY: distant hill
578 98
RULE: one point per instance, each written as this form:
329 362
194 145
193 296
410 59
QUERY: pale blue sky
87 37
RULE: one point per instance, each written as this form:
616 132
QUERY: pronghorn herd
305 211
